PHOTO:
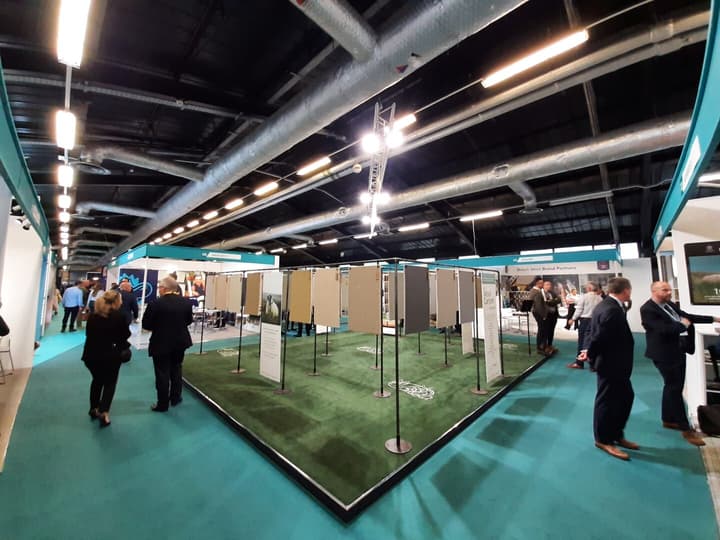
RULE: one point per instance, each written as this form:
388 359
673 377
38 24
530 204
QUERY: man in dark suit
609 345
168 319
539 311
670 335
129 306
552 301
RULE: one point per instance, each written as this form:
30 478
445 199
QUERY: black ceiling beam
197 35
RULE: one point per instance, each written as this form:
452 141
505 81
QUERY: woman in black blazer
105 337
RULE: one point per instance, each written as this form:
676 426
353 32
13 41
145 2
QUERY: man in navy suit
670 335
609 345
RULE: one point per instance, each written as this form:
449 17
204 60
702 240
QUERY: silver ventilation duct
429 29
83 242
85 207
343 24
622 144
101 230
115 153
526 193
659 40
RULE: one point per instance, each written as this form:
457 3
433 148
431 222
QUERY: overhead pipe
526 193
86 206
84 242
636 140
102 230
341 22
429 29
89 252
659 40
116 153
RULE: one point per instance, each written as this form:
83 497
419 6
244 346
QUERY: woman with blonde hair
106 347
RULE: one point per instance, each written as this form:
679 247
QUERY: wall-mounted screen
703 269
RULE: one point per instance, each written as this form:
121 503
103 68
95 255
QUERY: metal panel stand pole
396 445
202 329
477 390
286 317
445 340
527 324
238 370
419 352
377 353
327 341
498 314
314 372
382 393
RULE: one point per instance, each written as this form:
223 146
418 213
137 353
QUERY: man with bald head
669 336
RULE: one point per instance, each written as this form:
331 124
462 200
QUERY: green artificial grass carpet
331 426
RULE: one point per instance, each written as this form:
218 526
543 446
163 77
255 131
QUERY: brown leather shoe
575 365
693 437
613 451
628 444
672 425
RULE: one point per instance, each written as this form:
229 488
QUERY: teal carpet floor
526 469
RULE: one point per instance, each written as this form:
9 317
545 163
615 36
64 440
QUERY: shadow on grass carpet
331 426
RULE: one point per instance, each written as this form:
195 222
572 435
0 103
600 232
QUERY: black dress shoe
158 408
176 402
93 413
104 421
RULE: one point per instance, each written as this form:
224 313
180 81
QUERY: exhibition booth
347 408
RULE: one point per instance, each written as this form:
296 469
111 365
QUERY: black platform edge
347 513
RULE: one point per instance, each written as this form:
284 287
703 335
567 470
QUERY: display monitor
703 268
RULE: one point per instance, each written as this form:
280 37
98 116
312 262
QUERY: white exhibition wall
639 272
21 274
5 202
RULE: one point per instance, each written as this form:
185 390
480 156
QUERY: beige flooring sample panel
466 295
300 296
252 294
221 293
417 299
234 293
364 299
390 302
432 278
326 297
344 291
210 291
447 297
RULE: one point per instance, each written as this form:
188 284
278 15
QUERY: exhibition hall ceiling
190 81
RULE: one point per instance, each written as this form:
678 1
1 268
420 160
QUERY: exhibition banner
221 292
326 297
364 299
390 301
135 277
253 291
300 296
270 329
447 298
210 290
466 295
234 293
417 299
467 338
493 360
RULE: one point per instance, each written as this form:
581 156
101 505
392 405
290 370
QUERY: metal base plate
325 355
281 391
391 445
382 394
238 371
479 392
375 368
444 365
313 374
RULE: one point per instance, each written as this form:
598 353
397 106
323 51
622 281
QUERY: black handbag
125 355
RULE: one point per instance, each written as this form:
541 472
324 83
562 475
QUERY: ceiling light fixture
64 201
193 223
361 236
394 138
64 253
65 124
265 189
71 31
277 250
710 177
166 235
405 121
581 198
259 252
370 143
65 228
314 166
328 242
158 239
64 217
416 227
210 215
535 58
426 260
483 215
64 235
300 246
233 204
367 220
64 241
178 230
65 176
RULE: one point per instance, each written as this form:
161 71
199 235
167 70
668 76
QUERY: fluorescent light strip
463 257
327 242
265 189
405 121
537 57
64 217
416 227
158 239
277 250
178 230
72 27
66 176
483 215
315 165
210 215
581 198
300 246
166 236
65 124
361 236
233 204
193 223
64 228
64 201
710 177
427 260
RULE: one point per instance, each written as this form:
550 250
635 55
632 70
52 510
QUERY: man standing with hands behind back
670 335
610 345
168 319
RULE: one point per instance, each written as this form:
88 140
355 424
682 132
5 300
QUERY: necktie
670 311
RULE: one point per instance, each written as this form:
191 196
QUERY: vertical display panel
364 299
234 293
221 292
270 333
417 299
210 291
447 298
326 297
466 295
253 291
493 358
300 296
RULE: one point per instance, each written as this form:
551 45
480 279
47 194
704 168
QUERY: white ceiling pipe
102 230
86 206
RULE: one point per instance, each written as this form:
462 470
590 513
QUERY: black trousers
104 381
541 339
673 406
168 377
71 312
583 329
550 324
613 403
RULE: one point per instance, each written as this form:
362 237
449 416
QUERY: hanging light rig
378 144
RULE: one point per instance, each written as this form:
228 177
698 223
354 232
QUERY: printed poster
270 331
493 359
